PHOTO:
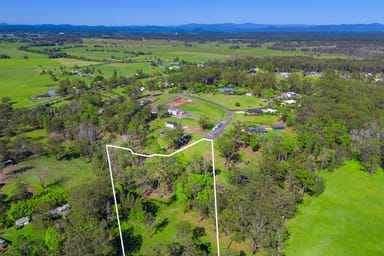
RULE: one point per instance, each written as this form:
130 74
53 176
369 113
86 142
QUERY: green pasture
29 230
66 173
110 49
20 76
347 219
11 49
71 63
126 69
257 119
229 101
20 79
196 107
201 108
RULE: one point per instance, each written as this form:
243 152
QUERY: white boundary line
163 155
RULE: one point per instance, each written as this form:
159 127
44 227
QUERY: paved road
213 135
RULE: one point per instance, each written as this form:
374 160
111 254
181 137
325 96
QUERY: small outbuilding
170 124
258 129
278 127
254 111
270 110
60 211
174 111
22 222
288 102
228 90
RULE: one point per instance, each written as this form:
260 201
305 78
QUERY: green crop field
347 219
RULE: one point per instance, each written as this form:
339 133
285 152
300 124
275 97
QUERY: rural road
213 135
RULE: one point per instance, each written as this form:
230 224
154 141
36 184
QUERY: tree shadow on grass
132 242
58 182
160 226
362 169
150 207
22 169
70 156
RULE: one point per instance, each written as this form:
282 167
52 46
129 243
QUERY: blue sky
175 12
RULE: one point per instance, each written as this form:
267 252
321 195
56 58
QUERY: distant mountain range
205 28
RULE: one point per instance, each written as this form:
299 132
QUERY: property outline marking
163 155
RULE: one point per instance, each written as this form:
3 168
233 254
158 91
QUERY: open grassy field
229 101
126 69
20 79
259 119
347 219
72 62
29 230
196 107
11 49
201 108
112 49
66 173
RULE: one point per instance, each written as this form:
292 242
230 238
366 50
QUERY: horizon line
192 23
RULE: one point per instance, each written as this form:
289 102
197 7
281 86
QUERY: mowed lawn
201 108
347 219
256 119
229 101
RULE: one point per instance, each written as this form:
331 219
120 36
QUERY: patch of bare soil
6 173
196 129
179 102
11 171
